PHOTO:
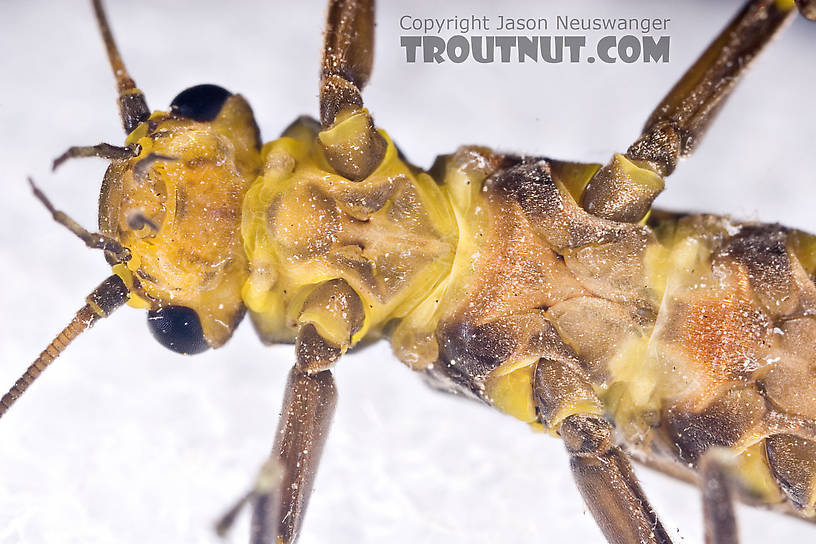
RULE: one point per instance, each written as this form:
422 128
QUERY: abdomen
733 350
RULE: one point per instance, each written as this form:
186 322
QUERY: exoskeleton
547 289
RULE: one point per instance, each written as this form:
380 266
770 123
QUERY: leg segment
807 8
352 144
308 408
718 500
103 151
607 483
565 401
624 189
348 56
93 240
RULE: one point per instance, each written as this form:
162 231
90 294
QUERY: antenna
106 298
132 104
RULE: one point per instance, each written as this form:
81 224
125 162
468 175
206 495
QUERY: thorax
392 236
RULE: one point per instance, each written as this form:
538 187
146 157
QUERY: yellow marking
628 366
638 174
414 338
512 393
348 126
583 406
631 393
299 224
656 267
134 300
95 307
329 325
514 364
644 177
755 474
138 133
510 389
803 246
574 176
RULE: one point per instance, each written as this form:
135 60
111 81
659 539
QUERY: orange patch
721 332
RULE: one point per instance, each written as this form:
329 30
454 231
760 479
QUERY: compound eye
200 103
178 328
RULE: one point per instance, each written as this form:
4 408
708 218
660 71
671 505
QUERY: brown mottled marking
724 422
762 250
793 461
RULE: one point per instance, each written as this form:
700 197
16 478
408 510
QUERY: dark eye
178 328
200 103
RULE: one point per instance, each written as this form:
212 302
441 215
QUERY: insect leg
308 408
352 144
624 189
93 240
334 310
718 499
565 401
103 151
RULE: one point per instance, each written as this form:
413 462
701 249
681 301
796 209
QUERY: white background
122 441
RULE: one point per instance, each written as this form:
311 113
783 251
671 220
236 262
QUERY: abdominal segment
695 332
